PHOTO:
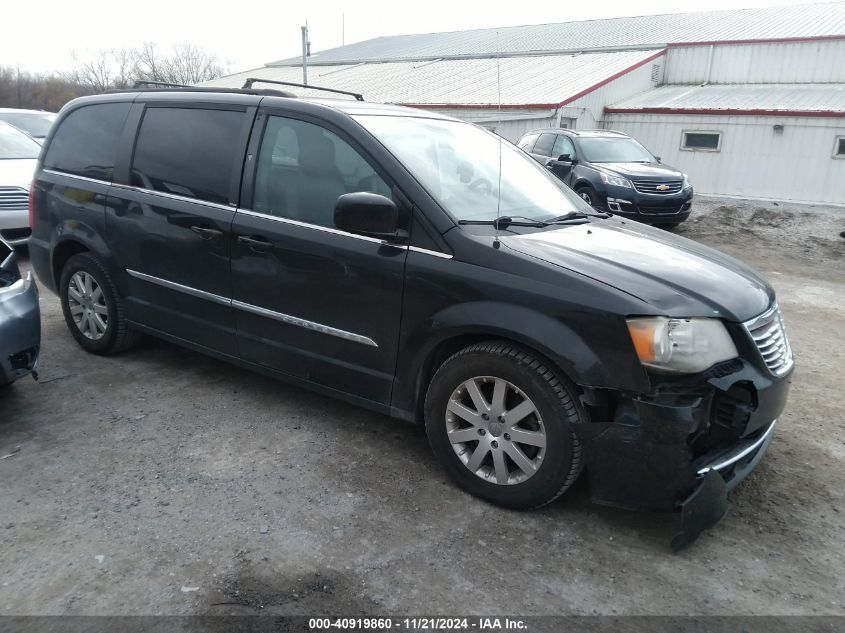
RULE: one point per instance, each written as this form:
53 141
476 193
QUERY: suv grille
13 199
652 186
768 333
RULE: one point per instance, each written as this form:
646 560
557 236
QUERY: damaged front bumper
20 329
683 447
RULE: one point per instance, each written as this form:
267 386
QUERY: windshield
35 124
604 149
459 164
16 144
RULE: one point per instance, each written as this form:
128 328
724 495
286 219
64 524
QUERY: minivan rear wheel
502 424
92 307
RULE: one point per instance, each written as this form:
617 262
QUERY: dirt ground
160 481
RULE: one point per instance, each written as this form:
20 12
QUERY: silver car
35 123
18 155
20 319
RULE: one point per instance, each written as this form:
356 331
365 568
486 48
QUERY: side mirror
367 214
565 158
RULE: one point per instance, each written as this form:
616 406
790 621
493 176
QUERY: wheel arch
554 342
70 238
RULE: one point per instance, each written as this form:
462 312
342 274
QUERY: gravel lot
164 482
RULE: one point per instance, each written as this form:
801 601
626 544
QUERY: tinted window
188 151
544 144
527 142
563 145
86 141
701 140
303 169
840 146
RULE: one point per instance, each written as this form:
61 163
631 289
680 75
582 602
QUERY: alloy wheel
586 197
87 305
495 430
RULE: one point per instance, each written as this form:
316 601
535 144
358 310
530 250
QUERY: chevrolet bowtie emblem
662 187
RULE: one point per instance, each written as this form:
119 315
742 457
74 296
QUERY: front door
562 169
170 227
310 300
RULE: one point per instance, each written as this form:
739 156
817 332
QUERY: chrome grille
769 336
657 186
13 199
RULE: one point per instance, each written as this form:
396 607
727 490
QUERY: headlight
617 181
686 184
680 346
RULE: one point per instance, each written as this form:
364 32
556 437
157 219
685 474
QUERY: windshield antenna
496 242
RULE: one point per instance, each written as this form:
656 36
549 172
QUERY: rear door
310 300
169 223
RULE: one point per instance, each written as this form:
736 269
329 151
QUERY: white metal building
749 102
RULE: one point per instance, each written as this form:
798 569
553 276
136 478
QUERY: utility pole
305 52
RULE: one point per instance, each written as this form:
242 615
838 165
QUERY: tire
500 479
116 334
589 195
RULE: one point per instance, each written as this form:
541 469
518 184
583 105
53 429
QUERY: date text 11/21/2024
418 624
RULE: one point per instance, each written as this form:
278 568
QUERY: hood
17 172
641 170
675 276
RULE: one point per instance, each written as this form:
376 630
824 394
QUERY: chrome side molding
248 307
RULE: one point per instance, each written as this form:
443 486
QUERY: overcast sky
40 36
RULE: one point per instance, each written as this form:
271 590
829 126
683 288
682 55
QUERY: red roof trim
773 40
729 112
533 106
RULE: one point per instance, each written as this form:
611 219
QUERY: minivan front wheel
92 308
502 424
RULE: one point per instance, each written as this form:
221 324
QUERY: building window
702 141
839 148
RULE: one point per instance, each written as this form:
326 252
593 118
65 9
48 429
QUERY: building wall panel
754 161
821 61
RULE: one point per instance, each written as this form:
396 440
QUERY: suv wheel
92 308
501 423
589 195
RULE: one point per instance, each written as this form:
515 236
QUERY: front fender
608 363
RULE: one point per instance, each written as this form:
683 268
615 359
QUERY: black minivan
422 267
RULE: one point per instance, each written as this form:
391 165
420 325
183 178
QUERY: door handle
206 233
258 244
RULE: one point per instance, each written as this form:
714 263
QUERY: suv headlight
680 346
618 181
686 184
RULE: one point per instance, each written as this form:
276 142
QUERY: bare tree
108 69
185 64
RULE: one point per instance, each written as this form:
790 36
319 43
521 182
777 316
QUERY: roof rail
251 80
160 84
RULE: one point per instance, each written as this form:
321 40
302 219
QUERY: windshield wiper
505 221
575 215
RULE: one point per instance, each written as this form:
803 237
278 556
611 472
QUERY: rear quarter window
85 143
